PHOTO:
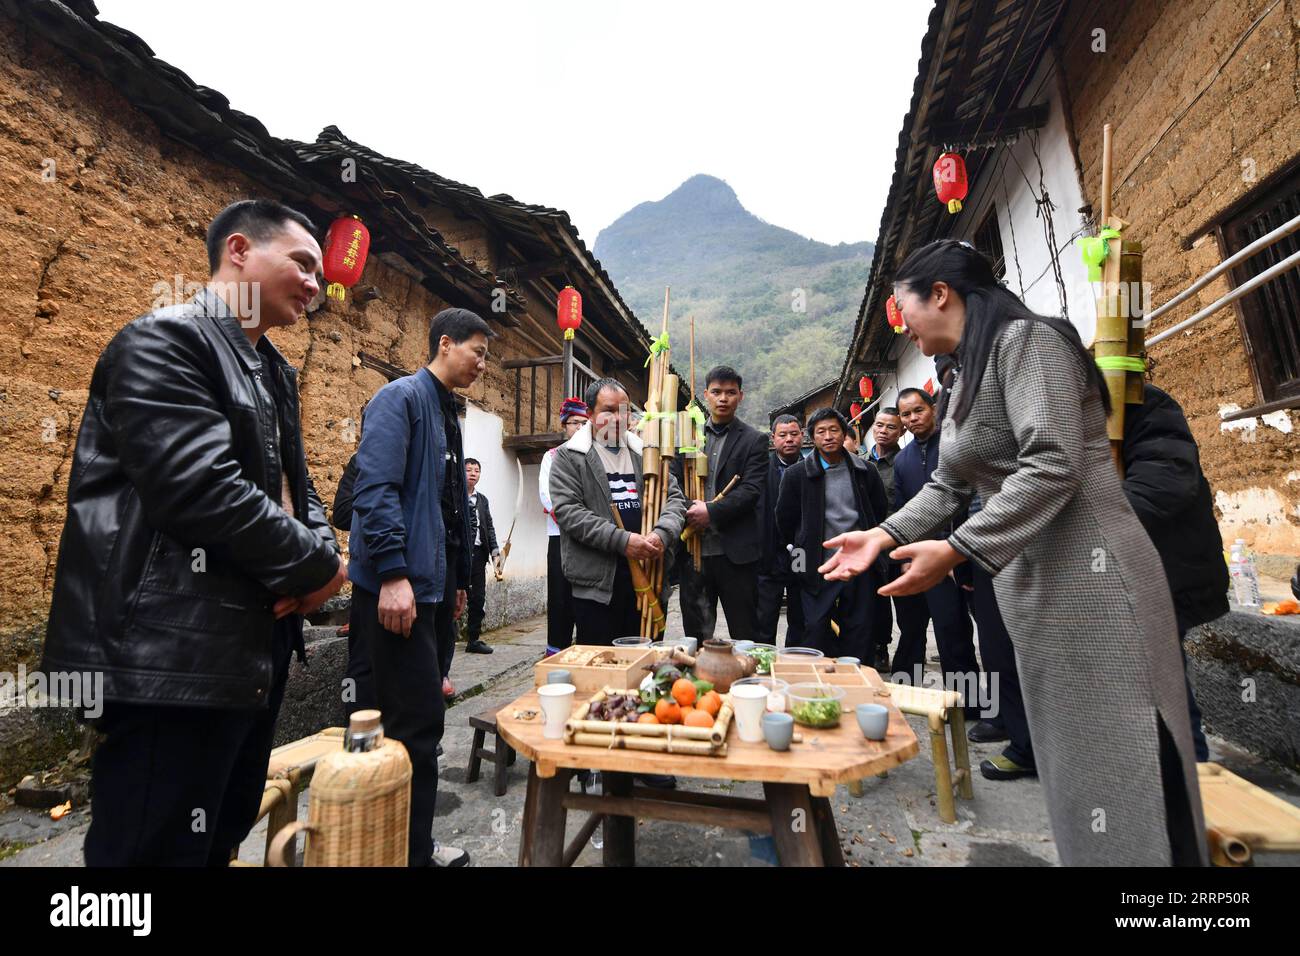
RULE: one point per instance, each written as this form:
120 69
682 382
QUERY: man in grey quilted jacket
595 471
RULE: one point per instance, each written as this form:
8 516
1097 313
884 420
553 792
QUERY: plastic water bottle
1245 579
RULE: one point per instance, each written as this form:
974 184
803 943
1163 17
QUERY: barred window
1269 316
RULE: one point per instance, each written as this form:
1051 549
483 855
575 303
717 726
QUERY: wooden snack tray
626 674
859 688
660 738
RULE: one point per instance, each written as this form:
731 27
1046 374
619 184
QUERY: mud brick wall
1230 132
95 245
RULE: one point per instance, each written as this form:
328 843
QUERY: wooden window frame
1270 394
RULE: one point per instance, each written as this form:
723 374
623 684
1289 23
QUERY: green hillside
740 277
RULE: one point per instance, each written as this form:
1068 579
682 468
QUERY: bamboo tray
626 673
857 684
1242 818
657 738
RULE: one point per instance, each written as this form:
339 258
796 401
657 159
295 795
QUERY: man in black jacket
1164 483
731 529
194 544
828 493
946 601
484 533
776 581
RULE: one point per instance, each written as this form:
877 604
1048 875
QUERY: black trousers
445 617
559 600
1194 711
699 616
181 786
477 596
999 657
953 633
408 691
913 615
601 623
852 605
771 589
720 579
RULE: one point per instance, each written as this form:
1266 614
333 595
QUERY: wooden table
796 785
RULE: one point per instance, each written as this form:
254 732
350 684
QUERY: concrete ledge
1245 670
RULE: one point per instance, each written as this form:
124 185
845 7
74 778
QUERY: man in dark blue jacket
410 544
953 631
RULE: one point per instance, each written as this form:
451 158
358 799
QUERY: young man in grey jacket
597 468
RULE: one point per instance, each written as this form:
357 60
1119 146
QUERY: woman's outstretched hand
858 551
928 563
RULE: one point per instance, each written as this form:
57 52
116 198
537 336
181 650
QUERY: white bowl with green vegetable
816 705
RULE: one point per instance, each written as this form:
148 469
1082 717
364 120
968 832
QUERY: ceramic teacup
778 730
873 719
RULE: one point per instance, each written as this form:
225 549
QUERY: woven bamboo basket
359 811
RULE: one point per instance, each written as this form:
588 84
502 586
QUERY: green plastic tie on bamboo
658 345
1096 250
688 449
696 413
1122 363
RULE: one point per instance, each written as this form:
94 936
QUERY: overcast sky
591 107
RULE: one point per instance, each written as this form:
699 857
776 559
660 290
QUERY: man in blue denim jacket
410 554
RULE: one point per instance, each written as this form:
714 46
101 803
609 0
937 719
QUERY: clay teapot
718 664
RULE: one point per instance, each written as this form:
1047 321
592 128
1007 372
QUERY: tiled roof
975 57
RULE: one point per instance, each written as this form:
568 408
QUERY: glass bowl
778 701
816 705
631 642
799 654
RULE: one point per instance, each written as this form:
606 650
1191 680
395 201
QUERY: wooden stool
288 773
502 755
941 708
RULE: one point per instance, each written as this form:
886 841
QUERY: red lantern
568 311
864 388
346 246
894 315
855 410
950 180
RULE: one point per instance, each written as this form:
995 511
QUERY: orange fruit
686 712
667 711
683 692
698 718
712 702
647 718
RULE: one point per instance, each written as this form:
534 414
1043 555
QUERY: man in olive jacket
194 543
596 470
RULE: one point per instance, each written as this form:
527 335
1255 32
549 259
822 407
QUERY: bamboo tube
723 723
638 730
674 745
646 598
1130 278
668 425
1105 173
688 533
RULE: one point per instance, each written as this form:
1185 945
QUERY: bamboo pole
647 599
1112 337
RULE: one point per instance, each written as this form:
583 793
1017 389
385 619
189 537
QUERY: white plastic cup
749 701
557 705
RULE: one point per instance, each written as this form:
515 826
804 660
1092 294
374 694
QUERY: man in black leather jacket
194 543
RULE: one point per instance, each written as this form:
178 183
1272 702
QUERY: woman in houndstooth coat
1078 581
